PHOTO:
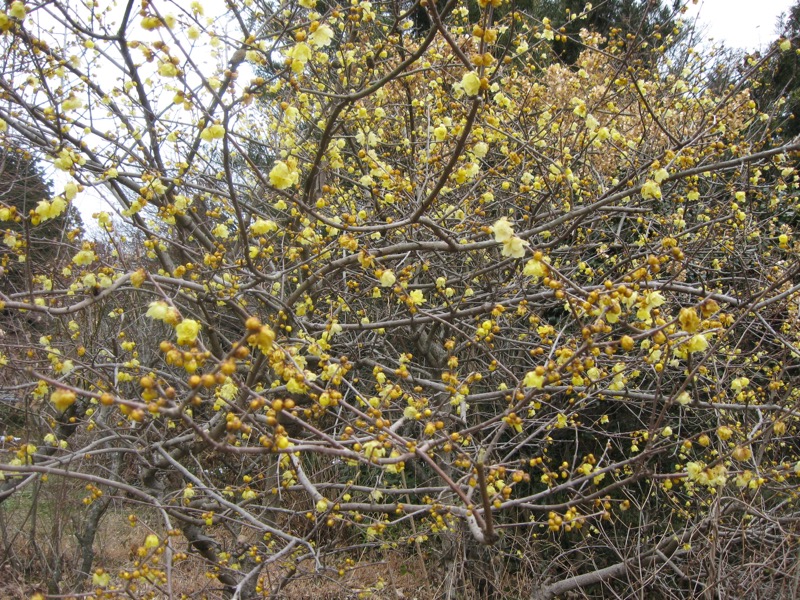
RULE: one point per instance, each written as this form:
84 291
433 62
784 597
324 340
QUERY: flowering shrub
404 288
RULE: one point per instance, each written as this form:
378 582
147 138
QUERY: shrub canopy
356 287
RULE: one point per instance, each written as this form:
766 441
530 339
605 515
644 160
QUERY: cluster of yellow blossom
715 476
50 210
284 174
513 246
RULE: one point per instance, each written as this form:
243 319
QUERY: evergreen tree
625 20
780 78
22 187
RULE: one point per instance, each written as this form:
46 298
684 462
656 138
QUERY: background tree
777 84
625 20
43 238
441 299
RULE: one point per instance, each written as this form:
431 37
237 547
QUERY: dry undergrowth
394 573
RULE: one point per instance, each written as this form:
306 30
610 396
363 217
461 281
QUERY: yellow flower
161 311
84 257
50 210
471 83
282 177
71 103
417 297
100 578
580 108
742 453
293 386
221 231
648 302
151 541
651 189
321 37
151 23
717 475
535 268
739 383
515 247
167 69
322 505
693 469
689 320
263 338
138 277
480 149
744 478
697 343
398 467
388 278
534 379
228 391
213 132
374 450
613 312
502 230
187 331
62 399
261 226
709 307
17 10
440 133
157 310
724 433
660 175
67 159
300 55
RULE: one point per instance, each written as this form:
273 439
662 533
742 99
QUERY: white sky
747 24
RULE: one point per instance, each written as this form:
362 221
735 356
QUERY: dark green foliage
22 187
781 78
634 19
639 19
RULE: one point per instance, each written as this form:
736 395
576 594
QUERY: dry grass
393 577
391 572
24 569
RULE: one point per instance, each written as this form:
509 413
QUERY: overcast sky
745 24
